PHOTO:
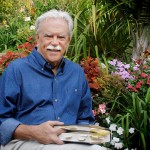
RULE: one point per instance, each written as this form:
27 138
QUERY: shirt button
56 100
58 118
42 69
76 90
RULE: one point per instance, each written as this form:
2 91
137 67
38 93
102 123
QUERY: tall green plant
137 13
110 30
98 25
136 115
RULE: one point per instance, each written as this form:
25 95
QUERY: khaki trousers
33 145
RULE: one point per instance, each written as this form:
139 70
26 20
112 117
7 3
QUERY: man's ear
37 38
68 40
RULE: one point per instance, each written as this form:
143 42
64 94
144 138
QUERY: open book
90 134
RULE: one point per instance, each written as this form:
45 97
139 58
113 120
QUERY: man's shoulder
18 62
16 65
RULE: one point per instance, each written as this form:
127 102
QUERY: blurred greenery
112 27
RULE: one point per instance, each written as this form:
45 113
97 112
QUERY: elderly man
44 90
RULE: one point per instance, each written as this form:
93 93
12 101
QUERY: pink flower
136 68
129 86
144 67
127 66
139 84
113 63
135 90
119 64
94 112
144 75
102 108
148 80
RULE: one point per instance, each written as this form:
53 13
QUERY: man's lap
33 145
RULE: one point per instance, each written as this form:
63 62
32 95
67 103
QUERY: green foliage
137 115
14 29
95 25
136 14
6 8
136 10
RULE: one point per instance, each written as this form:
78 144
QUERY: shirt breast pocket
73 100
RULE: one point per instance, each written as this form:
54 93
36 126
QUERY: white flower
120 130
32 27
113 127
108 120
126 149
27 19
115 139
96 124
131 130
112 142
118 145
103 65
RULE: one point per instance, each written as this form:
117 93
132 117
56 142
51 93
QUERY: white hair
55 14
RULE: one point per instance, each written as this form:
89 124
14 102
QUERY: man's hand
44 133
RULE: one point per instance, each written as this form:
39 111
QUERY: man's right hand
44 133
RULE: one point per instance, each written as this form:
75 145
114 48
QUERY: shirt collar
42 62
39 58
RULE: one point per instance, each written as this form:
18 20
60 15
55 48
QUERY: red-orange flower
144 75
92 71
94 112
139 84
148 80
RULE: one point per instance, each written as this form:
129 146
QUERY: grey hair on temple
55 14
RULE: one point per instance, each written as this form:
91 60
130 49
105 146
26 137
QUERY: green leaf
147 98
143 140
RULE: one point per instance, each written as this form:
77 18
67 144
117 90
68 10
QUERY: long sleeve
8 96
7 129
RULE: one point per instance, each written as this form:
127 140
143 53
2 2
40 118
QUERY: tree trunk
141 43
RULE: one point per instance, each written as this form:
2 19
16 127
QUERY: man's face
53 33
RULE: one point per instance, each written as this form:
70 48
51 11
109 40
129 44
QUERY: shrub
105 87
23 50
121 100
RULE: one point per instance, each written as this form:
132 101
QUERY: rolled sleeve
7 129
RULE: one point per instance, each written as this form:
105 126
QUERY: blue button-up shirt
31 94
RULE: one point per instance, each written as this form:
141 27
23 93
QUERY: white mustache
51 47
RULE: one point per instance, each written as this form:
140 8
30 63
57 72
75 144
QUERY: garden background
111 41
